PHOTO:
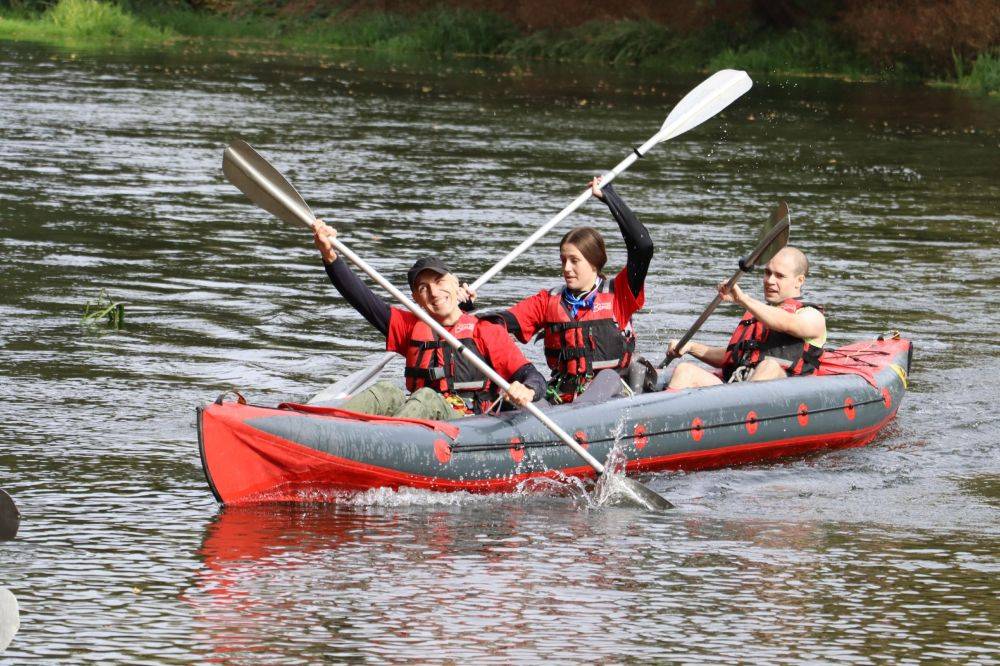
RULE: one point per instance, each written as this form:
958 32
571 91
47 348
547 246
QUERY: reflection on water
110 178
508 579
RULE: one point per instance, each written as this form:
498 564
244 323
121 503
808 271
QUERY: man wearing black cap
442 384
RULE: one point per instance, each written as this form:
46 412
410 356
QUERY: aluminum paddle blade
263 184
707 99
10 517
620 490
782 217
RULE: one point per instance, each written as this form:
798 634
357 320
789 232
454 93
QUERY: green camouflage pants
387 399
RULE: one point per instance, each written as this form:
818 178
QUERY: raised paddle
706 100
267 188
10 517
773 238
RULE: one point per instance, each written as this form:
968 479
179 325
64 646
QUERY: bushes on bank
81 21
435 31
985 75
902 37
93 19
597 41
812 49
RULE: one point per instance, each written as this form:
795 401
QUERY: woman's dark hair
590 243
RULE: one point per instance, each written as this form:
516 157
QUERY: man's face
436 293
780 280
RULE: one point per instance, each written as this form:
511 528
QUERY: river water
110 178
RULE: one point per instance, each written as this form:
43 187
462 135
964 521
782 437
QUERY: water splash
405 497
611 489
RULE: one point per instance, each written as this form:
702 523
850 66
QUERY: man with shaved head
780 338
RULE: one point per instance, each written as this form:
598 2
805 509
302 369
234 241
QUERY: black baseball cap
430 263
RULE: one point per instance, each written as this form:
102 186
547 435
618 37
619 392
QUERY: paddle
10 617
10 517
267 188
706 100
773 238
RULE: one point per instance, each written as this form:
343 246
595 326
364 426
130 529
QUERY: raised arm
350 286
638 244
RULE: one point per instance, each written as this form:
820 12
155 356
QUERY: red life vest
432 362
752 341
579 348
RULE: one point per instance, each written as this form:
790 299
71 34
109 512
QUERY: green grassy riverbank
816 48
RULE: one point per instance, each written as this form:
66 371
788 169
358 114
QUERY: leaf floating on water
104 310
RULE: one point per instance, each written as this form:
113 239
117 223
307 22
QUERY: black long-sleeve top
638 244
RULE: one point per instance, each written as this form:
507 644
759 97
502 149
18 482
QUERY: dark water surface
110 179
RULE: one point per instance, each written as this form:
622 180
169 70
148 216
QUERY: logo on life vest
598 307
462 328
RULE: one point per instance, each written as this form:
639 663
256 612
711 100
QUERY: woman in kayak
587 322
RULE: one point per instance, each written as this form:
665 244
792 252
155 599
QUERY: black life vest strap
424 345
449 365
433 374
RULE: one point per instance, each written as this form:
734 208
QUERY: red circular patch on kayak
886 398
581 437
516 451
751 422
442 451
849 409
697 429
640 436
803 414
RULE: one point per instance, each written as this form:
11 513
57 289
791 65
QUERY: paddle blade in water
623 491
263 184
709 98
10 517
780 216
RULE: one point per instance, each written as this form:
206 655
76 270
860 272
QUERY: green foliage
81 21
365 31
26 7
985 75
461 31
759 44
105 311
598 41
619 42
211 26
436 31
93 19
813 49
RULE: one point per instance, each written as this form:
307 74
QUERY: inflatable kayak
310 453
